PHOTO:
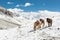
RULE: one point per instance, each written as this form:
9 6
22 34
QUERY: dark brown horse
49 21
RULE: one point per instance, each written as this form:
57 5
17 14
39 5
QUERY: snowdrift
19 26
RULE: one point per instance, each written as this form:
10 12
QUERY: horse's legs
39 26
34 28
43 24
49 24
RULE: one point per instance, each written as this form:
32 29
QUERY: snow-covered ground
18 28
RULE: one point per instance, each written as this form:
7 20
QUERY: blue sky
32 5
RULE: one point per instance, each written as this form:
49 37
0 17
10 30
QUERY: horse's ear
40 19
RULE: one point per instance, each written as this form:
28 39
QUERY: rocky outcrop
6 12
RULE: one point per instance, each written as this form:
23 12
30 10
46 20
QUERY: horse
42 22
39 24
49 21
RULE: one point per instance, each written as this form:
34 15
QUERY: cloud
15 10
48 13
38 14
27 4
9 2
17 5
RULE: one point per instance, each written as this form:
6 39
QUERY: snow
20 28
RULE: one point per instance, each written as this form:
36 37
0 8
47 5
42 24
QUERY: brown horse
42 22
39 24
49 21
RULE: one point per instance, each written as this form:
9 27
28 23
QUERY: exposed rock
6 12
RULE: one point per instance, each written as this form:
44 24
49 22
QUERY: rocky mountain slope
20 27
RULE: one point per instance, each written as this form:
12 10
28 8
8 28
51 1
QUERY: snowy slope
19 27
7 21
